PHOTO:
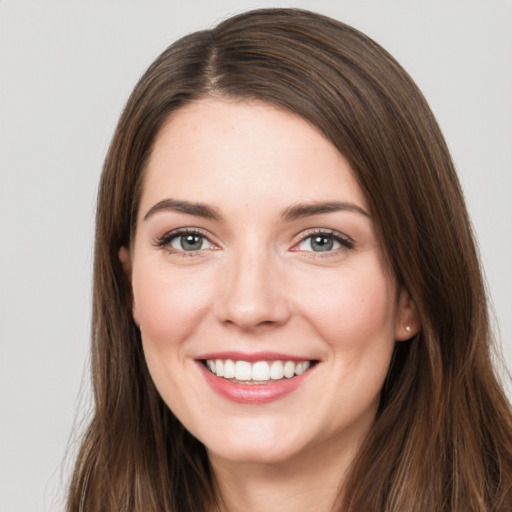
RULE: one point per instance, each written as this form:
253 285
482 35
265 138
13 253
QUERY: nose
252 294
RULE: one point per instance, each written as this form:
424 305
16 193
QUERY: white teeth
276 370
302 367
260 371
243 370
219 368
229 369
289 369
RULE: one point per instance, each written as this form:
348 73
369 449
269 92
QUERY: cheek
168 307
352 310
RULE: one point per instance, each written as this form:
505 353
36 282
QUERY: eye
324 242
185 241
189 242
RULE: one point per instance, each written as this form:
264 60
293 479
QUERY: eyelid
165 240
345 241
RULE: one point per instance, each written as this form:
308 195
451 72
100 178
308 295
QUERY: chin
256 446
252 453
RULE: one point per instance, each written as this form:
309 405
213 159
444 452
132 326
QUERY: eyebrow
293 212
197 209
301 210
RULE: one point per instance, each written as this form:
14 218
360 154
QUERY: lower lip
252 393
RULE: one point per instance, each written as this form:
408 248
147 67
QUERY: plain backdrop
66 69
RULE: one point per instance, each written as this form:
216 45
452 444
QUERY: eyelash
346 243
164 242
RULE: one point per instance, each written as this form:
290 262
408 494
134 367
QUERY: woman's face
267 315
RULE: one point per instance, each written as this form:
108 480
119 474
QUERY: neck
310 481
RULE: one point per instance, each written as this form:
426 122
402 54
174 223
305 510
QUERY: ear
408 322
126 261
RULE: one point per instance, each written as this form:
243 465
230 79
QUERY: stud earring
408 328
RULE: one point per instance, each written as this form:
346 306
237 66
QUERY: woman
288 306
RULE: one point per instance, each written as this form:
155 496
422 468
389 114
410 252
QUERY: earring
408 328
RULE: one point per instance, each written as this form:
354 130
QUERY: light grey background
66 69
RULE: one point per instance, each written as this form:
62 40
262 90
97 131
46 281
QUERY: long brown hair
442 439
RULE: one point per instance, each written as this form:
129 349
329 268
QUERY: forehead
226 151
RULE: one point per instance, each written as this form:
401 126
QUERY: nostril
247 324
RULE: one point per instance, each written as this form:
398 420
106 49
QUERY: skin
256 284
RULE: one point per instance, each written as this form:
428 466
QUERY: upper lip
254 356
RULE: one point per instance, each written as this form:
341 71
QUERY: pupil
322 243
191 242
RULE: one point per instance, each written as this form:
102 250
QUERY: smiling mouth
259 372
